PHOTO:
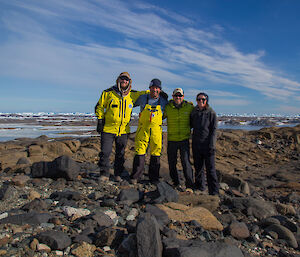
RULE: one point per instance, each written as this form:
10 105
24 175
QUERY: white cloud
157 42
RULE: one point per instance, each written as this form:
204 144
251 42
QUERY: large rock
209 202
10 157
196 248
57 240
161 216
260 209
31 218
166 193
184 213
148 237
61 167
129 195
284 233
239 230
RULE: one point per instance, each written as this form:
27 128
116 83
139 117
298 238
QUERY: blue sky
58 56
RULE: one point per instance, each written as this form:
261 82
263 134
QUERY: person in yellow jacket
113 111
149 130
178 112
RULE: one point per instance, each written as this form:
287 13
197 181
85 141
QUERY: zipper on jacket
121 114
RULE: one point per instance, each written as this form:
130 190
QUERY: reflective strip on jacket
178 120
116 110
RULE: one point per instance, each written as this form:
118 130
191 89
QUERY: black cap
155 83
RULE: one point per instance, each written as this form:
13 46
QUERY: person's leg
154 167
121 142
186 163
212 178
141 144
172 160
106 149
199 168
155 151
138 167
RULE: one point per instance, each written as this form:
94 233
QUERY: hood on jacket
125 91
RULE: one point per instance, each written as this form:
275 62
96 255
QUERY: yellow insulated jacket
178 120
116 110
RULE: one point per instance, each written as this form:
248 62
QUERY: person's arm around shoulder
136 94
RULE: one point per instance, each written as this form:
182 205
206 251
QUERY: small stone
84 250
20 180
33 195
33 244
3 215
43 247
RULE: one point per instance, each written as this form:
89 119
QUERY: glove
100 125
163 94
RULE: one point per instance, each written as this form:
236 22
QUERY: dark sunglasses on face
178 95
124 78
201 99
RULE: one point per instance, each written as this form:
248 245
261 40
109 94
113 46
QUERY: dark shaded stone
31 218
23 160
284 233
69 195
260 209
148 237
102 219
195 248
128 245
239 230
161 217
7 191
35 205
56 240
110 237
130 194
61 167
166 193
82 238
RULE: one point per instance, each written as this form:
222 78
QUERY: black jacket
204 124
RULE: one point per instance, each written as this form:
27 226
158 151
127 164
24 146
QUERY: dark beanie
156 83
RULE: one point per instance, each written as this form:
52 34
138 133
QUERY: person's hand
100 125
163 94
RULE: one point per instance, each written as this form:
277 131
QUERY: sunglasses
124 78
201 99
178 95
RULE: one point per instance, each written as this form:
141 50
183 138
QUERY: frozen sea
30 125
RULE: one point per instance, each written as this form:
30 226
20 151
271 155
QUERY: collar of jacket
179 106
116 89
207 107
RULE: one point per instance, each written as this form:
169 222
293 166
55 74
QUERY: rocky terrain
53 203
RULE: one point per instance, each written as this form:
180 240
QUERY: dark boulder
61 167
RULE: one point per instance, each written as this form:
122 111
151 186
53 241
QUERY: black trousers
204 158
184 149
107 140
139 167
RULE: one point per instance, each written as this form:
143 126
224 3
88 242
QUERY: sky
59 55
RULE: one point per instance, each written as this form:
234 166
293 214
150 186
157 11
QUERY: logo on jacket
130 106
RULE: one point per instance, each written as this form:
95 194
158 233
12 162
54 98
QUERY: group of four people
113 111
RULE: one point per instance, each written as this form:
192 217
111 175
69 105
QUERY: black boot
154 168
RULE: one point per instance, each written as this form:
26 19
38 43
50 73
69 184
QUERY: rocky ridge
44 212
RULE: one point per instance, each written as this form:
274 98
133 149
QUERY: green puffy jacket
178 120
